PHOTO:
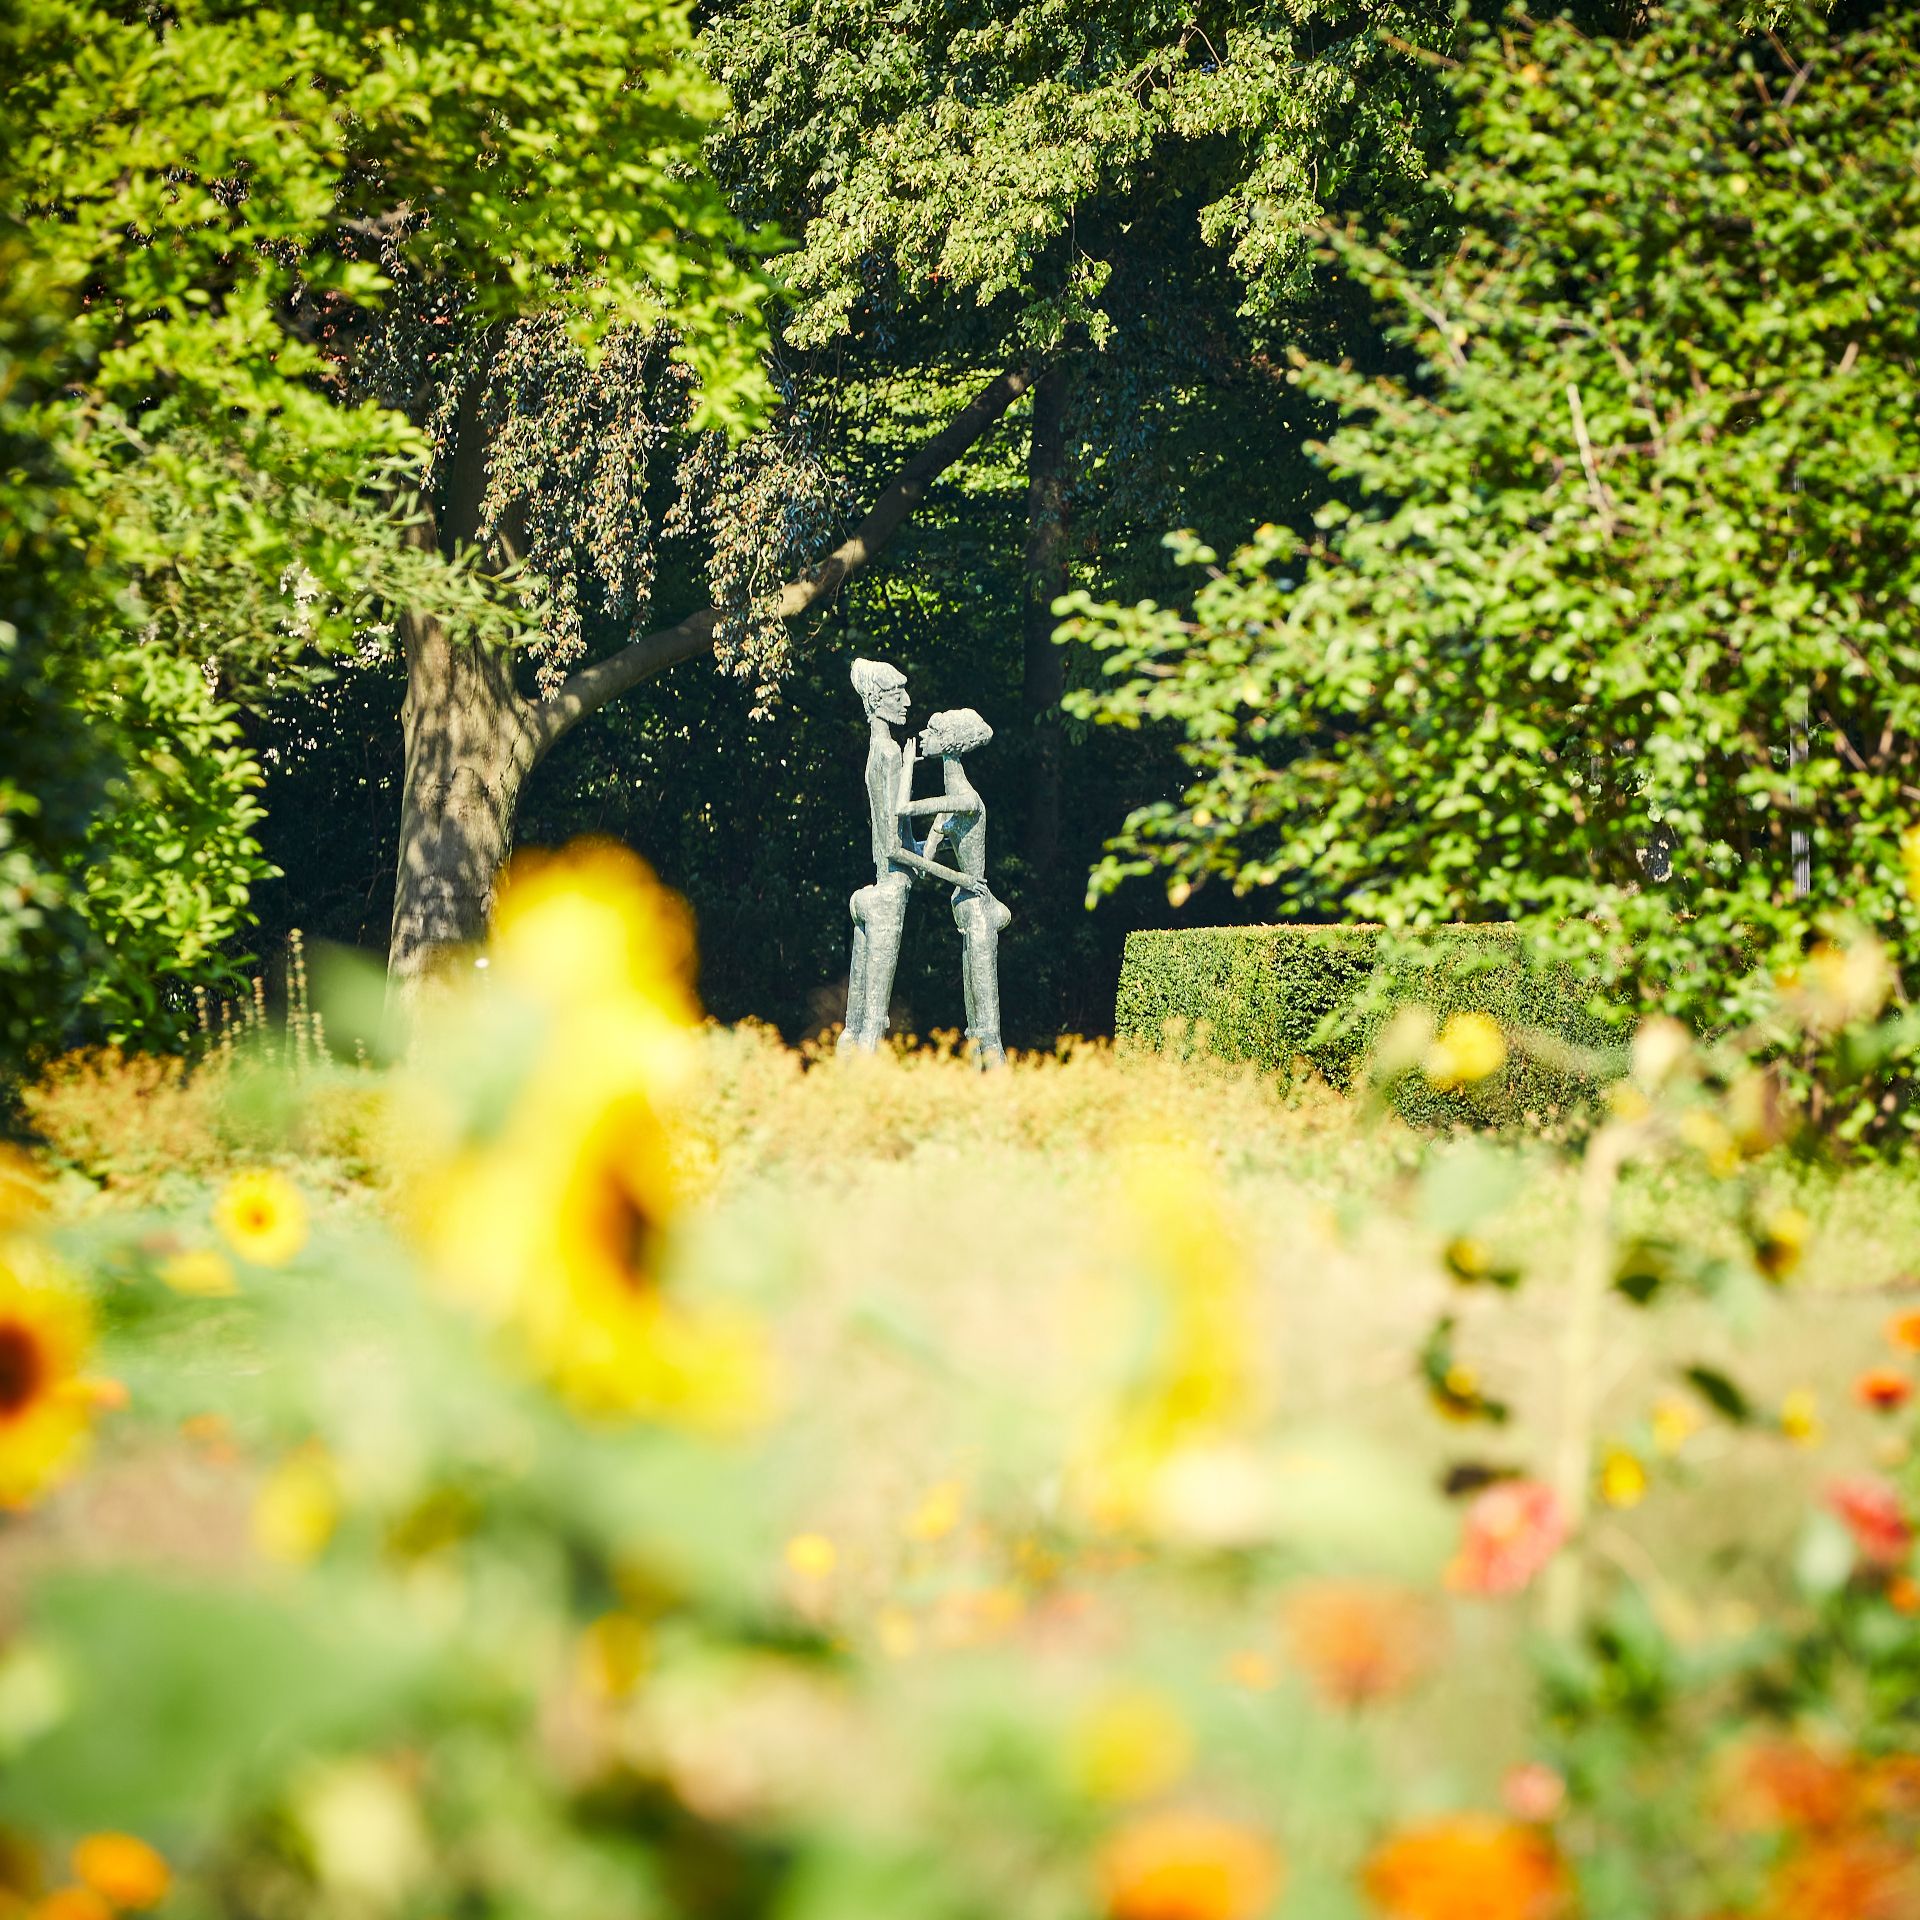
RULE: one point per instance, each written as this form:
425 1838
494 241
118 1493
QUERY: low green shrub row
1319 997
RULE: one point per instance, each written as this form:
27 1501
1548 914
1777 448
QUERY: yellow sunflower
262 1216
591 925
45 1407
557 1227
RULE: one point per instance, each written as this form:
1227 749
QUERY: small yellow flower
1467 1257
45 1405
1780 1243
1131 1746
812 1555
1675 1422
1800 1417
1470 1048
122 1869
613 1654
1254 1670
22 1200
1711 1138
262 1216
1623 1478
1910 862
899 1636
938 1513
296 1511
1627 1102
203 1272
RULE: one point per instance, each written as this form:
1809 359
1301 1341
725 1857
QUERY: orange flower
1511 1531
1357 1640
1787 1784
1187 1866
1468 1866
72 1903
1882 1535
1903 1330
122 1869
1882 1389
1853 1877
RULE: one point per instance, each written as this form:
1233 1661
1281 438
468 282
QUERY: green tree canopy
1614 607
224 206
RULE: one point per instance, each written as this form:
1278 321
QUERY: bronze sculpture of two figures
957 824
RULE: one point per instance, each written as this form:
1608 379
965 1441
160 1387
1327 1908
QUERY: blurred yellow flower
1256 1671
1470 1048
556 1229
554 1221
1910 862
1710 1137
614 1652
1660 1046
45 1406
22 1199
1842 985
590 925
1800 1417
1675 1422
1130 1746
122 1869
1623 1477
812 1555
361 1821
1780 1242
938 1513
1162 1447
899 1635
262 1216
201 1271
297 1509
1182 1865
1467 1257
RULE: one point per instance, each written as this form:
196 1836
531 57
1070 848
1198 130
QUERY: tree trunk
469 748
1044 678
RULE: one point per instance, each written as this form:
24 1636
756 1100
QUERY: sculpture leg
880 916
856 975
980 921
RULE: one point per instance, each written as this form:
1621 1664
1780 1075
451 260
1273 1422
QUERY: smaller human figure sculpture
880 911
960 815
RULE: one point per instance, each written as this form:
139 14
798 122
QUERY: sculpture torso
966 832
883 782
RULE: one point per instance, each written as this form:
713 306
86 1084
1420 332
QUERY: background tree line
516 375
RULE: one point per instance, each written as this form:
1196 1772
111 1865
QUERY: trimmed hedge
1320 995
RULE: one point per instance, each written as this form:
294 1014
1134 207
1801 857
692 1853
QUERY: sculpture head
958 730
882 690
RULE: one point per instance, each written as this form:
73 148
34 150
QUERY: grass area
975 1293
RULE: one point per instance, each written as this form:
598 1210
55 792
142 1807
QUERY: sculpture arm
935 870
940 804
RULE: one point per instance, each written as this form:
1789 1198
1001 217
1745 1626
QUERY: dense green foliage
1629 528
1323 997
218 202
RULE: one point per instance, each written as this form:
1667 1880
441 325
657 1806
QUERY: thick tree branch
592 687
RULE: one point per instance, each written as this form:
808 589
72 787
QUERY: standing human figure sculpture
880 911
959 814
